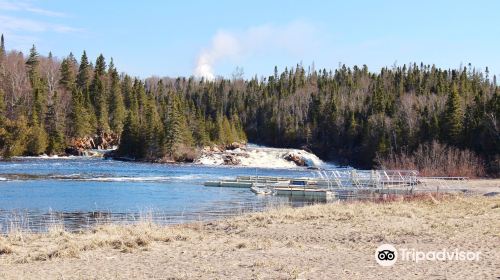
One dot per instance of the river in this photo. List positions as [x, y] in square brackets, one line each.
[78, 193]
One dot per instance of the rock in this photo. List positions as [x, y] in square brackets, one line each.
[306, 148]
[80, 146]
[105, 141]
[230, 160]
[215, 149]
[296, 159]
[234, 146]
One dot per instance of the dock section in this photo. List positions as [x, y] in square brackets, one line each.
[325, 185]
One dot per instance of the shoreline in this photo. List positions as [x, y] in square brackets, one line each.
[319, 241]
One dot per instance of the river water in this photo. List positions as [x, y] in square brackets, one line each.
[78, 193]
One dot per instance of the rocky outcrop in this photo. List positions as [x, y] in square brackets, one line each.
[298, 160]
[81, 146]
[106, 141]
[235, 145]
[230, 159]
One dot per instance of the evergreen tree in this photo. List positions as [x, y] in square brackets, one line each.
[176, 129]
[83, 80]
[200, 132]
[130, 144]
[56, 141]
[153, 131]
[116, 106]
[68, 70]
[37, 141]
[99, 95]
[2, 47]
[32, 65]
[80, 119]
[453, 117]
[13, 137]
[100, 66]
[37, 136]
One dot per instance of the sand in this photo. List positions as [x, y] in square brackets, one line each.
[333, 241]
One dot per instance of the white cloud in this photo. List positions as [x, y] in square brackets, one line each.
[23, 6]
[295, 38]
[12, 24]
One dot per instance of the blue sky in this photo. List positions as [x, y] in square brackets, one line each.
[181, 38]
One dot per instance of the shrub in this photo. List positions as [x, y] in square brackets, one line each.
[435, 159]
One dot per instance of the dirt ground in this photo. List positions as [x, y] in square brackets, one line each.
[332, 241]
[484, 185]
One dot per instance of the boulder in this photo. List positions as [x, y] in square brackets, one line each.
[215, 149]
[230, 160]
[234, 146]
[296, 159]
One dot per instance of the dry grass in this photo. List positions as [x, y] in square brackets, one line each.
[26, 247]
[337, 240]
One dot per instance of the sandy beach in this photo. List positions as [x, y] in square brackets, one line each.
[315, 242]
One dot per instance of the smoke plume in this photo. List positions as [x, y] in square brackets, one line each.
[294, 38]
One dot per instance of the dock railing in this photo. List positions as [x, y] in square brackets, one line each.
[409, 180]
[367, 179]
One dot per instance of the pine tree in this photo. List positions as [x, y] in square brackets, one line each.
[176, 128]
[99, 95]
[378, 103]
[239, 132]
[56, 141]
[199, 131]
[37, 136]
[100, 66]
[453, 117]
[80, 119]
[2, 49]
[227, 131]
[116, 106]
[130, 144]
[83, 80]
[32, 66]
[37, 143]
[68, 70]
[154, 130]
[13, 137]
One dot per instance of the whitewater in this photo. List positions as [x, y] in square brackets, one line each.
[262, 157]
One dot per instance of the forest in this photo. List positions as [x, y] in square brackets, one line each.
[415, 116]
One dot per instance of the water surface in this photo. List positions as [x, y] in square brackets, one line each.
[80, 192]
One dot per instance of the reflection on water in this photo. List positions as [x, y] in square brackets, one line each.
[42, 221]
[79, 193]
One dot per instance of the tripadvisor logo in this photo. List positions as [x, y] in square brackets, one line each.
[387, 255]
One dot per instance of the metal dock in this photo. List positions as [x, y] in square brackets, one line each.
[347, 183]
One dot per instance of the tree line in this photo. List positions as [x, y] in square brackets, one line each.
[349, 115]
[45, 103]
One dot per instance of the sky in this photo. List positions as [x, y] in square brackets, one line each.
[212, 38]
